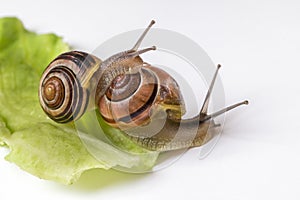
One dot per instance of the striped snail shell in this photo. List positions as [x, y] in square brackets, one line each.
[131, 99]
[64, 92]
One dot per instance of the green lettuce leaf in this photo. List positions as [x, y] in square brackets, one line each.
[50, 153]
[38, 145]
[122, 152]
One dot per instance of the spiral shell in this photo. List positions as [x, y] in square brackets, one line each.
[132, 98]
[64, 86]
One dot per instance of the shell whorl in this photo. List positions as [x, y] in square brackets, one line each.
[131, 98]
[64, 86]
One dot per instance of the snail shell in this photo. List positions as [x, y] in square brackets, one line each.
[64, 92]
[133, 98]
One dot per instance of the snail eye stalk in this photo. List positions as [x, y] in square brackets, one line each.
[139, 41]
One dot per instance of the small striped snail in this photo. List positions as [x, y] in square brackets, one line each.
[127, 92]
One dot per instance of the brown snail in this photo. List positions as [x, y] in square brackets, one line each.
[128, 93]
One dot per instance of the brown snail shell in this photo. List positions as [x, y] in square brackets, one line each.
[63, 94]
[132, 98]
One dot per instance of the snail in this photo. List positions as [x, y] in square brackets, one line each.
[128, 92]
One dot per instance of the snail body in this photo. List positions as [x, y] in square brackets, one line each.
[129, 93]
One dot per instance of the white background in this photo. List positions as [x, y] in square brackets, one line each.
[257, 43]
